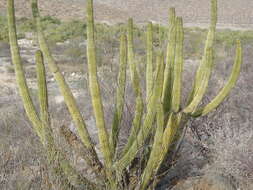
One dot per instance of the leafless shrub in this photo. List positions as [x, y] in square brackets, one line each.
[232, 151]
[21, 160]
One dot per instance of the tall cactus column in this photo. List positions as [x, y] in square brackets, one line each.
[149, 66]
[170, 60]
[94, 86]
[135, 79]
[120, 95]
[64, 88]
[19, 72]
[96, 94]
[41, 123]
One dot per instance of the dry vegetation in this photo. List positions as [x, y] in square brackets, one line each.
[220, 142]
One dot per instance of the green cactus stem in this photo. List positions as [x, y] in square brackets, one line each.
[19, 72]
[227, 88]
[149, 66]
[64, 88]
[120, 94]
[42, 87]
[139, 104]
[148, 121]
[178, 67]
[155, 155]
[170, 60]
[95, 89]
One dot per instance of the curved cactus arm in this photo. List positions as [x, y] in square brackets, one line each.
[149, 66]
[64, 88]
[95, 89]
[178, 67]
[209, 44]
[155, 155]
[204, 83]
[170, 60]
[227, 88]
[120, 94]
[19, 72]
[148, 121]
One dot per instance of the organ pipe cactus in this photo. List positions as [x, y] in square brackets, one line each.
[159, 117]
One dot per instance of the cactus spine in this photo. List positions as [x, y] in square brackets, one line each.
[161, 115]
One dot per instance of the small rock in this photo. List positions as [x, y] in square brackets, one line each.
[83, 44]
[59, 99]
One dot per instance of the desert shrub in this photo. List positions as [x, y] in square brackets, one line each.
[66, 30]
[194, 38]
[21, 158]
[224, 138]
[10, 69]
[107, 43]
[48, 20]
[4, 29]
[25, 25]
[75, 50]
[232, 151]
[227, 37]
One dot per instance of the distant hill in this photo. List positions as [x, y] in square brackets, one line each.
[232, 13]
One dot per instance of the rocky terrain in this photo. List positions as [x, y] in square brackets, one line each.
[232, 13]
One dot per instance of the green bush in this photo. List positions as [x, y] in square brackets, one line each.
[25, 25]
[62, 31]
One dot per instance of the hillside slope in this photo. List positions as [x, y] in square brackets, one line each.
[236, 13]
